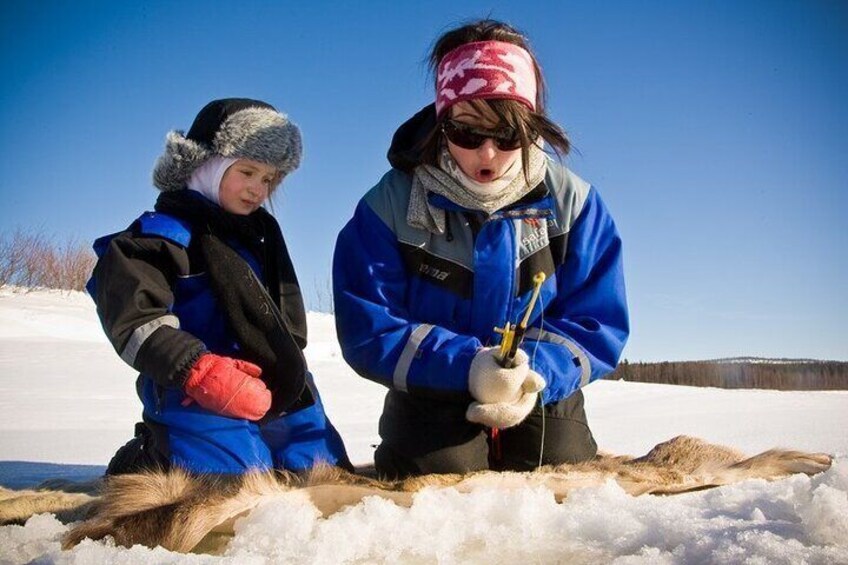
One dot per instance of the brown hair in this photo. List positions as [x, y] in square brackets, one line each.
[529, 124]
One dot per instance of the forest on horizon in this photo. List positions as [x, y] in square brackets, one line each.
[776, 374]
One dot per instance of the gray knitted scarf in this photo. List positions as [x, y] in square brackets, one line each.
[449, 181]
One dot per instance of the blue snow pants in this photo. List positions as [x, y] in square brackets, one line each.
[205, 442]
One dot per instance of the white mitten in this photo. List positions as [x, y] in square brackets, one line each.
[502, 414]
[488, 382]
[534, 382]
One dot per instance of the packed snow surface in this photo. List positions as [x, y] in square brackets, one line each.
[67, 402]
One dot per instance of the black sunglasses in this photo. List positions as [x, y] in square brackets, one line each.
[470, 137]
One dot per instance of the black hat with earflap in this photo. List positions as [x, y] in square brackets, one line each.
[240, 128]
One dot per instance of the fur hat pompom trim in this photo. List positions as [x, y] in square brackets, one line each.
[180, 159]
[263, 135]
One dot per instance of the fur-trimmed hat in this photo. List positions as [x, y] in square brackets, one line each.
[231, 127]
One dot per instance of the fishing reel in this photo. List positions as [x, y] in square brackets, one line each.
[513, 334]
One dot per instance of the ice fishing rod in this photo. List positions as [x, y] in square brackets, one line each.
[513, 334]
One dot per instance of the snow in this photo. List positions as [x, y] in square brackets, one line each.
[67, 403]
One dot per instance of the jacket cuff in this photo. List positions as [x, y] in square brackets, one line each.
[168, 355]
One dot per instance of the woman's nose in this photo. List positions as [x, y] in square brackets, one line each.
[488, 150]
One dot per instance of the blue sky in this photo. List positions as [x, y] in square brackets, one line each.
[715, 131]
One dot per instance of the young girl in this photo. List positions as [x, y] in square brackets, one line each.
[446, 247]
[200, 297]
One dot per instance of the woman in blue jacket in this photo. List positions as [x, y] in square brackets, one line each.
[446, 247]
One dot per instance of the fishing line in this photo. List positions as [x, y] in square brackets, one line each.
[533, 366]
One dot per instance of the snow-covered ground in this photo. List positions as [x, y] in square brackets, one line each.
[67, 402]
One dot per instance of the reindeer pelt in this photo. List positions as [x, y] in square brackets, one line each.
[183, 512]
[16, 506]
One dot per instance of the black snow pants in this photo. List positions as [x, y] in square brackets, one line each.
[422, 436]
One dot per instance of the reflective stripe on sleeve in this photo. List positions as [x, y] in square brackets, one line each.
[408, 354]
[143, 332]
[585, 367]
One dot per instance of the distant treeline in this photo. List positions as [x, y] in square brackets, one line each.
[771, 374]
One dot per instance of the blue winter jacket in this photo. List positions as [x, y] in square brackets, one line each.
[413, 307]
[155, 298]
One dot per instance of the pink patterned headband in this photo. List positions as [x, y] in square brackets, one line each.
[485, 69]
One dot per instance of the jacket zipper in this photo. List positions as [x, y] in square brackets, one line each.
[278, 316]
[158, 392]
[512, 276]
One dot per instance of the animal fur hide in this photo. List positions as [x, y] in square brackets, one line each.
[183, 512]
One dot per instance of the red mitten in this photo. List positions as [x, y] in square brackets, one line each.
[229, 387]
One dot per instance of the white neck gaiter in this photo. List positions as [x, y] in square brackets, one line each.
[449, 181]
[485, 191]
[206, 179]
